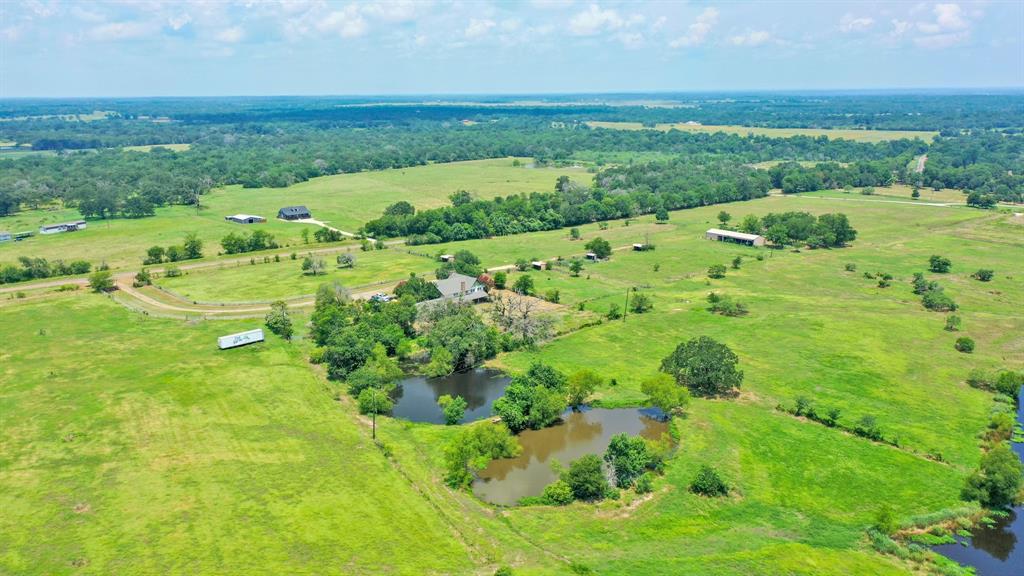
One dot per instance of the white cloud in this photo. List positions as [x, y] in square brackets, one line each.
[631, 39]
[347, 23]
[11, 33]
[949, 28]
[850, 23]
[900, 27]
[594, 20]
[751, 38]
[177, 22]
[120, 31]
[395, 10]
[478, 27]
[698, 31]
[230, 35]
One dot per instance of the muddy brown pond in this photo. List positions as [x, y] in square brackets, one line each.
[416, 396]
[589, 431]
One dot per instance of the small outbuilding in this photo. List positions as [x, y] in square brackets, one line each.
[537, 265]
[591, 256]
[62, 227]
[240, 339]
[294, 213]
[720, 235]
[245, 219]
[19, 236]
[446, 258]
[5, 236]
[639, 247]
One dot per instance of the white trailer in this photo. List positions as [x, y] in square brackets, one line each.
[240, 339]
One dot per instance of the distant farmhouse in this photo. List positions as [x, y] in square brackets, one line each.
[720, 235]
[458, 288]
[294, 213]
[245, 219]
[62, 227]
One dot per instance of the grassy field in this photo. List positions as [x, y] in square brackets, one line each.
[141, 448]
[846, 134]
[133, 446]
[285, 278]
[345, 201]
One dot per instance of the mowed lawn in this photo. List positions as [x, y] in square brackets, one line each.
[134, 446]
[345, 201]
[832, 133]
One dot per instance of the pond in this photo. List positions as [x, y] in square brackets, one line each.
[996, 550]
[589, 431]
[416, 396]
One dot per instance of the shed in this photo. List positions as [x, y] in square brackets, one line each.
[446, 258]
[62, 227]
[240, 339]
[639, 247]
[537, 264]
[720, 235]
[591, 256]
[294, 213]
[245, 219]
[19, 236]
[5, 236]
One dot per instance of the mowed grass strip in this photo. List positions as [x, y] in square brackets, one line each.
[132, 445]
[832, 133]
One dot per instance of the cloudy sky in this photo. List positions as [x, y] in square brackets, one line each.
[194, 47]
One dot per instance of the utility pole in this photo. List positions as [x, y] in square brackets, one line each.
[625, 310]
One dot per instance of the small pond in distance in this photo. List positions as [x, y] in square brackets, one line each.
[589, 431]
[416, 396]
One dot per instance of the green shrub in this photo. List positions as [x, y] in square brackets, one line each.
[984, 275]
[964, 344]
[708, 483]
[645, 483]
[558, 493]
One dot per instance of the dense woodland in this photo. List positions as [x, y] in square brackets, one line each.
[278, 142]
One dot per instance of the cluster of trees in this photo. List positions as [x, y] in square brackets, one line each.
[534, 399]
[793, 177]
[619, 192]
[632, 460]
[417, 288]
[473, 447]
[279, 321]
[190, 249]
[725, 305]
[237, 243]
[457, 337]
[36, 268]
[932, 295]
[789, 228]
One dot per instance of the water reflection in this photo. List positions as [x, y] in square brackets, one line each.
[994, 550]
[508, 480]
[416, 397]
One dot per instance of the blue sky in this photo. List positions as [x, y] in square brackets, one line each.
[188, 47]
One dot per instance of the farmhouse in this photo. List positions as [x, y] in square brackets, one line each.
[294, 213]
[458, 288]
[245, 219]
[737, 237]
[62, 227]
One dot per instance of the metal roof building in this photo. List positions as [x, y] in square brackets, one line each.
[294, 213]
[245, 219]
[738, 237]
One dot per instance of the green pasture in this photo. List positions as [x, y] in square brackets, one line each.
[284, 279]
[833, 133]
[345, 201]
[815, 329]
[133, 446]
